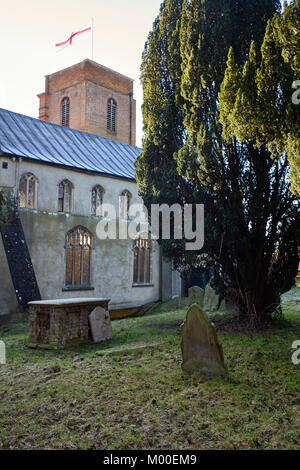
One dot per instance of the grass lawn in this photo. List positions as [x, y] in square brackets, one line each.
[129, 393]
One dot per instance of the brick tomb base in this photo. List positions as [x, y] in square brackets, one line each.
[55, 324]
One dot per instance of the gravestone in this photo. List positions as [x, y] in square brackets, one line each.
[196, 296]
[201, 351]
[211, 299]
[100, 325]
[232, 306]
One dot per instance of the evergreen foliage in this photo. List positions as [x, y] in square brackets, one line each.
[8, 208]
[199, 107]
[260, 107]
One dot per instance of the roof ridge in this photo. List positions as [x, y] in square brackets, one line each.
[93, 63]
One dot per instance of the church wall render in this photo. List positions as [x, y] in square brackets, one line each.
[45, 230]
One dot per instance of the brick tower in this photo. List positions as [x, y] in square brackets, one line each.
[91, 98]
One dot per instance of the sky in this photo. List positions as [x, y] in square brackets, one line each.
[29, 30]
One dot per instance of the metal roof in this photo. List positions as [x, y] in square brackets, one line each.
[26, 137]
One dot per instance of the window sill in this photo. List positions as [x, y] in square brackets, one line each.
[77, 288]
[143, 285]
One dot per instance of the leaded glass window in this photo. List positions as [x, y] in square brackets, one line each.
[125, 198]
[79, 243]
[28, 191]
[65, 196]
[97, 200]
[142, 261]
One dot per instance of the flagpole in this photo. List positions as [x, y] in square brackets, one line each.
[92, 38]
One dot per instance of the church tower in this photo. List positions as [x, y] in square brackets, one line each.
[91, 98]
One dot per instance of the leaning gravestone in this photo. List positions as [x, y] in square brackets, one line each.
[201, 351]
[100, 325]
[211, 299]
[196, 295]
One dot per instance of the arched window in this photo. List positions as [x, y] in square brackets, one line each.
[111, 115]
[97, 200]
[65, 196]
[79, 243]
[142, 261]
[65, 112]
[125, 198]
[28, 191]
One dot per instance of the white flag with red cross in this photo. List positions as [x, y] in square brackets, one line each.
[68, 42]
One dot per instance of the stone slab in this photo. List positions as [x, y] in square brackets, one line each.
[100, 324]
[201, 351]
[196, 296]
[62, 302]
[211, 299]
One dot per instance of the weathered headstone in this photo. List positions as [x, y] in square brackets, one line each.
[196, 296]
[211, 299]
[231, 306]
[100, 325]
[201, 351]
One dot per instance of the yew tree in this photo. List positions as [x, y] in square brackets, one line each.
[191, 155]
[261, 107]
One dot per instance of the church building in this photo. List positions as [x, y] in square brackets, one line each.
[61, 168]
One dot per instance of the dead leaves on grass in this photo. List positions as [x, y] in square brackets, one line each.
[137, 399]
